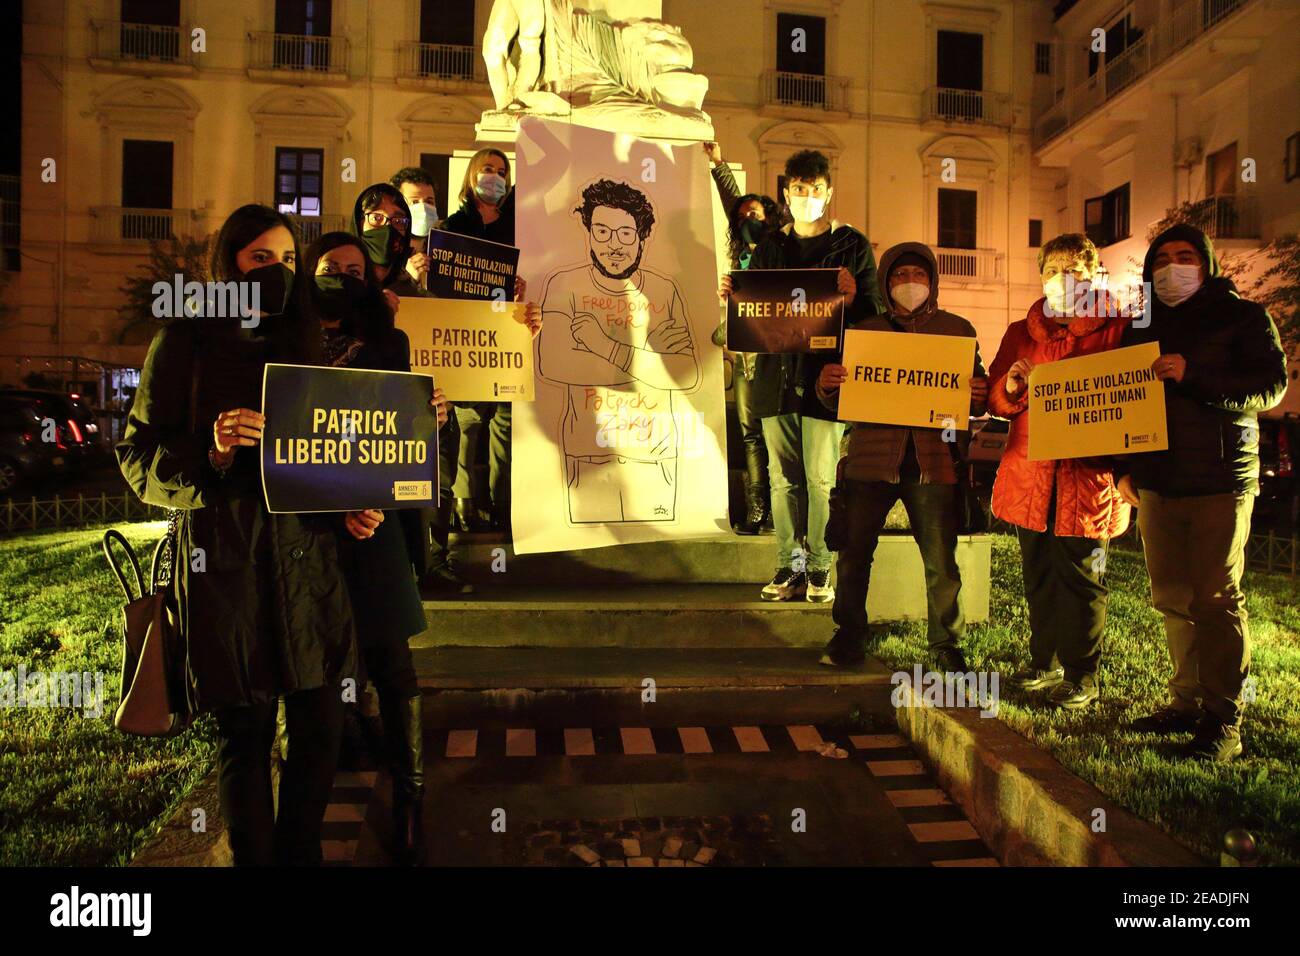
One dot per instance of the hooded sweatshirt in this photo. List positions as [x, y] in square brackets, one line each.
[875, 451]
[1236, 368]
[399, 244]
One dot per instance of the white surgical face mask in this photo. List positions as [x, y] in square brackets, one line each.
[1176, 283]
[491, 187]
[422, 218]
[1065, 293]
[910, 295]
[807, 208]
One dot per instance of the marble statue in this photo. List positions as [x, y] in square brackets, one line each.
[610, 64]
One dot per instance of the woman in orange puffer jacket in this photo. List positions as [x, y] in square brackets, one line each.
[1065, 511]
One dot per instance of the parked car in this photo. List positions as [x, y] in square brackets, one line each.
[1278, 505]
[75, 419]
[25, 458]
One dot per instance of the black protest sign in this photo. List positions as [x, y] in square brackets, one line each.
[341, 439]
[462, 267]
[784, 310]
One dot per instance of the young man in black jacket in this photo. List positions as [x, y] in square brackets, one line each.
[1222, 363]
[802, 435]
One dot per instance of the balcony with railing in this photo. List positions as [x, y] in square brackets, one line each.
[439, 64]
[121, 225]
[311, 228]
[307, 58]
[951, 106]
[968, 265]
[140, 47]
[1226, 217]
[1161, 40]
[803, 91]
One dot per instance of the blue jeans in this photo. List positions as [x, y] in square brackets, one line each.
[802, 453]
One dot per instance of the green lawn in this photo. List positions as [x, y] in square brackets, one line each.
[1195, 802]
[76, 791]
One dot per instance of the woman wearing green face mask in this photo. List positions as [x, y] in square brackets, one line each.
[357, 332]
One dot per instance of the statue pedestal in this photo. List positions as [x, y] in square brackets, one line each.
[501, 127]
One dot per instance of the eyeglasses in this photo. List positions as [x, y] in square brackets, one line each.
[376, 218]
[626, 235]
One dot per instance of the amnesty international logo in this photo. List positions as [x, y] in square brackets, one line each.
[412, 490]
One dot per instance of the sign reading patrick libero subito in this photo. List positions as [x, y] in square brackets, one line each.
[340, 439]
[478, 351]
[784, 310]
[1107, 403]
[907, 378]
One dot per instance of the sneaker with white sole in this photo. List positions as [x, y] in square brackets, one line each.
[787, 585]
[820, 590]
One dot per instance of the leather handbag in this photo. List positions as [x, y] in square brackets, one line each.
[154, 700]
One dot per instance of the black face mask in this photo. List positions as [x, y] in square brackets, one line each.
[752, 230]
[275, 282]
[339, 295]
[378, 244]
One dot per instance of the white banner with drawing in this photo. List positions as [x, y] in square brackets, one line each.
[626, 441]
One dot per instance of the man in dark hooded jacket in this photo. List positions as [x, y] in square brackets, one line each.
[887, 463]
[1222, 364]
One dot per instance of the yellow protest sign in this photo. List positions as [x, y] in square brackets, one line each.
[907, 378]
[476, 351]
[1107, 403]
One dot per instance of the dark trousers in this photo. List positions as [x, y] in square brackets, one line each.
[259, 835]
[1066, 591]
[932, 513]
[1196, 552]
[473, 416]
[751, 432]
[436, 522]
[390, 667]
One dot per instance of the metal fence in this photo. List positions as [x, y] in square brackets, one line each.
[75, 512]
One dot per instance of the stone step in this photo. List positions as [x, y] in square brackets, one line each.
[651, 687]
[724, 559]
[520, 607]
[633, 615]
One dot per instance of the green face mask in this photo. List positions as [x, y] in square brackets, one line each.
[377, 242]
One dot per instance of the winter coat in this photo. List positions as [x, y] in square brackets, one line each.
[263, 606]
[467, 221]
[380, 569]
[1235, 369]
[1088, 503]
[786, 384]
[875, 451]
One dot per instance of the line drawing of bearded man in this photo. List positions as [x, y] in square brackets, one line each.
[619, 337]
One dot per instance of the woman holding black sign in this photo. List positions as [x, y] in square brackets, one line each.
[358, 332]
[261, 597]
[487, 211]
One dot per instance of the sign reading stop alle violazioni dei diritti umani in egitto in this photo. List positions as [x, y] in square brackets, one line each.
[1107, 403]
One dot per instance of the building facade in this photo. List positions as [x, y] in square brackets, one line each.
[982, 127]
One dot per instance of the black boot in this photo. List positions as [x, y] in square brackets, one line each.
[755, 503]
[467, 517]
[404, 731]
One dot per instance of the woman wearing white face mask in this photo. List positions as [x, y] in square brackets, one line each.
[1065, 512]
[1222, 364]
[487, 211]
[888, 463]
